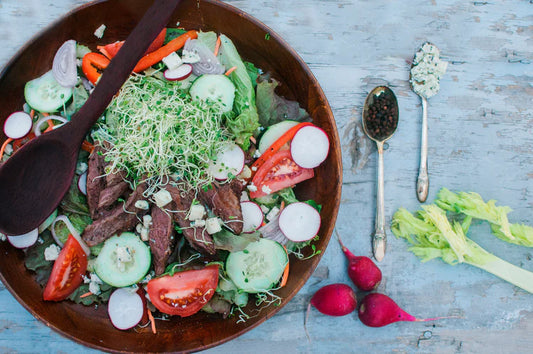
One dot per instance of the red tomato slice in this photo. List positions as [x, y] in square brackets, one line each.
[183, 293]
[111, 49]
[67, 271]
[280, 144]
[279, 172]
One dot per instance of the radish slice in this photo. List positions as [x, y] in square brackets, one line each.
[299, 222]
[180, 73]
[252, 216]
[309, 147]
[125, 308]
[25, 240]
[39, 123]
[229, 161]
[82, 183]
[72, 231]
[17, 125]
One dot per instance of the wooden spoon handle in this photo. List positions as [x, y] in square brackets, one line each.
[121, 66]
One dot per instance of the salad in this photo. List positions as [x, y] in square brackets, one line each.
[183, 195]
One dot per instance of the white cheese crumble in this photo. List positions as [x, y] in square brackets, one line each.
[123, 255]
[162, 198]
[196, 212]
[427, 70]
[212, 225]
[52, 252]
[142, 204]
[81, 167]
[147, 221]
[266, 190]
[189, 56]
[272, 213]
[99, 32]
[264, 209]
[244, 197]
[245, 173]
[251, 187]
[198, 223]
[3, 237]
[172, 61]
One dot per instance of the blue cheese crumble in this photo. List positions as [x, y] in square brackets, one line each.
[427, 70]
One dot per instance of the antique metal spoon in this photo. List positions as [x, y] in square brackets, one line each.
[424, 78]
[380, 120]
[35, 179]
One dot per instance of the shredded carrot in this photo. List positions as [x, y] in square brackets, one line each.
[285, 275]
[230, 70]
[152, 321]
[46, 114]
[87, 146]
[86, 294]
[252, 139]
[217, 46]
[4, 145]
[282, 205]
[50, 126]
[32, 113]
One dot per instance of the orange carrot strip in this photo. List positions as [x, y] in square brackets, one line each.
[4, 145]
[282, 205]
[252, 139]
[152, 321]
[285, 275]
[217, 46]
[46, 114]
[32, 113]
[157, 55]
[50, 125]
[230, 70]
[87, 146]
[86, 294]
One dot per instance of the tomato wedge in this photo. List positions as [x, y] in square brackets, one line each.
[278, 172]
[111, 49]
[67, 271]
[280, 144]
[183, 293]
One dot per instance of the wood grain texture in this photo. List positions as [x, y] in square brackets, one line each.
[480, 139]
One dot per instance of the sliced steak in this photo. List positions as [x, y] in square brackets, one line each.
[114, 178]
[161, 239]
[225, 203]
[110, 194]
[198, 237]
[95, 181]
[122, 217]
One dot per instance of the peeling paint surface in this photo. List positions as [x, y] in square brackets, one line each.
[480, 139]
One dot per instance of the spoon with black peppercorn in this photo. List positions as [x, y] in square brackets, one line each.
[380, 120]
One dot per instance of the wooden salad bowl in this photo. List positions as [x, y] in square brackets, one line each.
[256, 43]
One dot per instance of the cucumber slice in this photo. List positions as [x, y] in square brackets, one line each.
[258, 267]
[124, 260]
[45, 94]
[273, 133]
[214, 88]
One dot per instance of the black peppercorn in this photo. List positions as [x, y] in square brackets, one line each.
[382, 118]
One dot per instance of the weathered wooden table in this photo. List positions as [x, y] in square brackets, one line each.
[480, 139]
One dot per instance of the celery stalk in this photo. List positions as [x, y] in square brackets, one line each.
[433, 236]
[473, 205]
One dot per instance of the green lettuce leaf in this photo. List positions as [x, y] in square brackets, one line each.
[246, 120]
[103, 297]
[34, 258]
[273, 108]
[208, 38]
[173, 33]
[79, 96]
[225, 240]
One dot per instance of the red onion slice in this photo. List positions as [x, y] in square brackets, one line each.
[208, 63]
[64, 65]
[37, 125]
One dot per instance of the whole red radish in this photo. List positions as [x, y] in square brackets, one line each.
[364, 273]
[378, 310]
[334, 300]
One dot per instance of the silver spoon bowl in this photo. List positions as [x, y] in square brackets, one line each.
[374, 113]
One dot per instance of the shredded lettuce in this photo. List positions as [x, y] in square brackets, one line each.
[273, 108]
[225, 240]
[433, 236]
[246, 121]
[472, 204]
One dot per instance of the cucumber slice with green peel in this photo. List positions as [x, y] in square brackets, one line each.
[258, 267]
[214, 88]
[273, 133]
[124, 260]
[45, 94]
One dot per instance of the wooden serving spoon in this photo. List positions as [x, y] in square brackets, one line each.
[35, 179]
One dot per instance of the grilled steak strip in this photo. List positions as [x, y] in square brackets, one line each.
[118, 221]
[161, 237]
[95, 181]
[198, 237]
[225, 203]
[110, 194]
